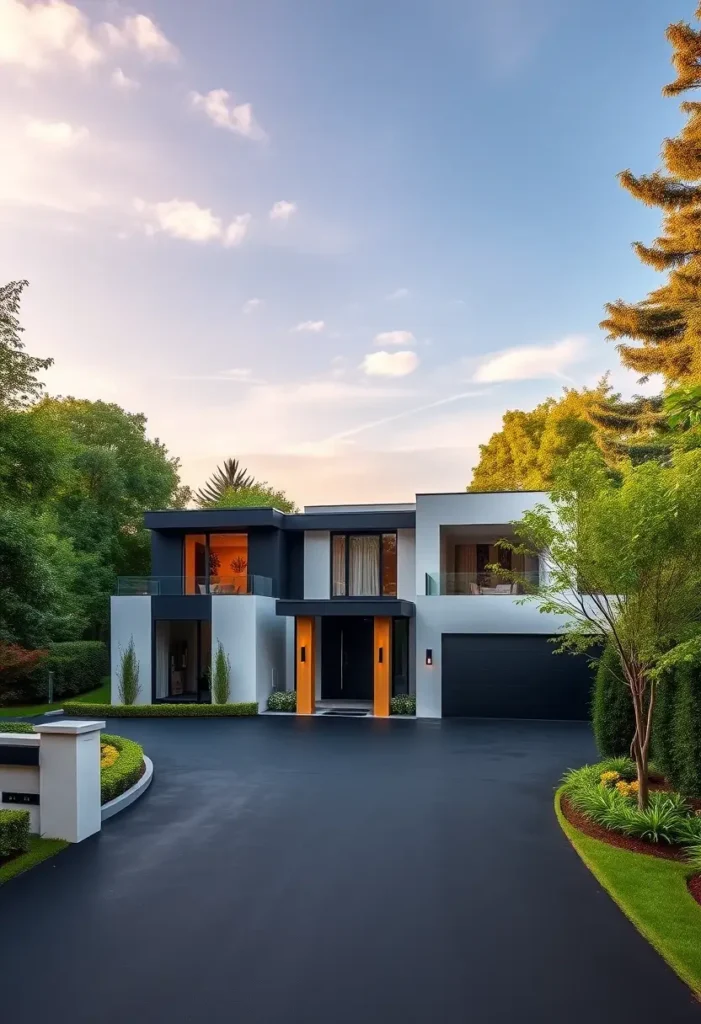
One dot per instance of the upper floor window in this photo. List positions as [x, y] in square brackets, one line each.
[216, 563]
[364, 565]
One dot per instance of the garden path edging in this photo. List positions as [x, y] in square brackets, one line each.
[129, 796]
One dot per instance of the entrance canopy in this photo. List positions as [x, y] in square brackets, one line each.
[360, 606]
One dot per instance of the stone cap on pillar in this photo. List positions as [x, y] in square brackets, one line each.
[77, 728]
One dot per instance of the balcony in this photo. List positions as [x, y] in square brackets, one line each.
[177, 586]
[480, 584]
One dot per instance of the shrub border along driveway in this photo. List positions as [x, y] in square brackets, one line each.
[159, 710]
[653, 895]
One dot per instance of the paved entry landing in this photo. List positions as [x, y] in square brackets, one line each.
[333, 871]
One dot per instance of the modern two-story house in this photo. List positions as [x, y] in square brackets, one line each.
[349, 605]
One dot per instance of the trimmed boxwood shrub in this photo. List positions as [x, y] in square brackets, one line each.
[403, 704]
[612, 708]
[15, 726]
[126, 770]
[282, 700]
[14, 832]
[78, 666]
[77, 709]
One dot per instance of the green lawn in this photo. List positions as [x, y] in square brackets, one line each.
[39, 850]
[99, 696]
[651, 892]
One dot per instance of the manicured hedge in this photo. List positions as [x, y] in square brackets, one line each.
[78, 666]
[14, 832]
[685, 767]
[126, 770]
[612, 708]
[77, 709]
[6, 726]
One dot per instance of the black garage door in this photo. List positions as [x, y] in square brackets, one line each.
[512, 676]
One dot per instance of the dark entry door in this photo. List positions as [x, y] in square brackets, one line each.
[346, 658]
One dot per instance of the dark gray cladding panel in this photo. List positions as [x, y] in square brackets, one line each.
[187, 606]
[362, 606]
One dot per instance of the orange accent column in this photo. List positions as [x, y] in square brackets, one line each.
[383, 666]
[305, 636]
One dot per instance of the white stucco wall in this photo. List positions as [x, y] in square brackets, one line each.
[234, 624]
[406, 564]
[317, 564]
[131, 617]
[254, 639]
[467, 614]
[271, 633]
[16, 778]
[436, 510]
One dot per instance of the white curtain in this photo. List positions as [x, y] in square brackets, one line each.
[364, 566]
[162, 658]
[339, 566]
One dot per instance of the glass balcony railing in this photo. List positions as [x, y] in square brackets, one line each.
[480, 584]
[176, 586]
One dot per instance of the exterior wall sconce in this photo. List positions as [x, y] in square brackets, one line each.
[381, 655]
[303, 654]
[429, 656]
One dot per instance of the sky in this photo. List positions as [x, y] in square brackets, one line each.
[336, 240]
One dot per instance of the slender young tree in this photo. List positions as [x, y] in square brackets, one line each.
[666, 326]
[624, 570]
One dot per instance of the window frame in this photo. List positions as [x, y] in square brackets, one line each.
[361, 533]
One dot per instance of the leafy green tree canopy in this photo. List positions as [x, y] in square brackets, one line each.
[18, 370]
[260, 495]
[624, 567]
[525, 453]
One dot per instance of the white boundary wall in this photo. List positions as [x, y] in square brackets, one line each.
[131, 617]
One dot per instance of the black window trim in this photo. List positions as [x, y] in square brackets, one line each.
[361, 533]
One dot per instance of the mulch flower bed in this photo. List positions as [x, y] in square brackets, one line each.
[590, 828]
[694, 886]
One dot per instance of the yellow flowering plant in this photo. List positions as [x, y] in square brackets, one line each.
[108, 755]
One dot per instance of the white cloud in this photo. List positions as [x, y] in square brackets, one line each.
[180, 219]
[283, 209]
[183, 218]
[531, 362]
[311, 326]
[33, 35]
[235, 376]
[124, 82]
[251, 304]
[390, 364]
[398, 293]
[140, 33]
[395, 338]
[239, 119]
[237, 230]
[55, 133]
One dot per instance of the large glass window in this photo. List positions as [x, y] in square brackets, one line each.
[228, 563]
[364, 565]
[216, 563]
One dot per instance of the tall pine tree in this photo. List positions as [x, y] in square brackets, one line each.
[667, 324]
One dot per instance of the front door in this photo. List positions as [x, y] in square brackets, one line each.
[346, 658]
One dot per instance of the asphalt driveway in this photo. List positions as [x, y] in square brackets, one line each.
[331, 871]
